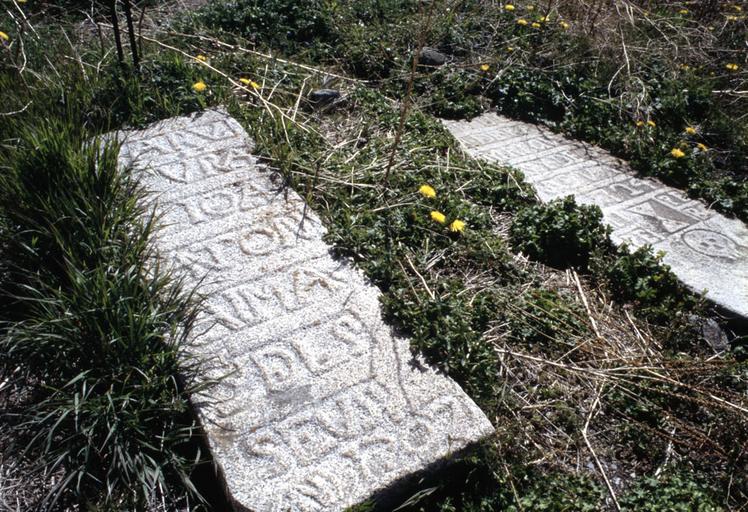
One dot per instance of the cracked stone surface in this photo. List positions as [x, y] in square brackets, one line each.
[706, 250]
[324, 407]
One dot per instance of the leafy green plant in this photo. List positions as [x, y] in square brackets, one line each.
[642, 278]
[676, 491]
[560, 233]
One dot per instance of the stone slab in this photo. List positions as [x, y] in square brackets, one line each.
[323, 406]
[706, 250]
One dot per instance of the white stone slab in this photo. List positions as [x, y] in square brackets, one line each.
[706, 250]
[325, 406]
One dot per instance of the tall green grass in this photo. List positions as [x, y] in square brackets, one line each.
[93, 325]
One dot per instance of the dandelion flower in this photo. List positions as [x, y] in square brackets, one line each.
[249, 83]
[683, 11]
[690, 130]
[485, 67]
[732, 18]
[639, 123]
[564, 25]
[4, 36]
[702, 147]
[438, 217]
[651, 123]
[522, 22]
[510, 49]
[677, 153]
[199, 86]
[543, 19]
[732, 67]
[457, 226]
[202, 58]
[427, 191]
[509, 7]
[535, 25]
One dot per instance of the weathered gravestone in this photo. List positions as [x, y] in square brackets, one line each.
[324, 407]
[706, 250]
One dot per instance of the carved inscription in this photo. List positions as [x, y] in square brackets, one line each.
[315, 407]
[706, 250]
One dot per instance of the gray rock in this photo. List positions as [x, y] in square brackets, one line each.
[711, 332]
[431, 57]
[323, 96]
[706, 250]
[323, 406]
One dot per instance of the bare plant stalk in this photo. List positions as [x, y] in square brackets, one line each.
[405, 108]
[131, 33]
[115, 27]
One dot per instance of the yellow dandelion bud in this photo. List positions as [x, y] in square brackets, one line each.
[199, 86]
[702, 147]
[677, 153]
[651, 123]
[510, 49]
[4, 36]
[543, 19]
[685, 67]
[732, 67]
[457, 226]
[485, 67]
[683, 11]
[202, 58]
[509, 7]
[564, 25]
[690, 130]
[438, 217]
[427, 191]
[522, 22]
[639, 123]
[535, 25]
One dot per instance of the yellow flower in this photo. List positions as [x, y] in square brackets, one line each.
[737, 8]
[639, 123]
[564, 25]
[199, 86]
[202, 58]
[702, 147]
[543, 19]
[485, 67]
[651, 123]
[683, 11]
[457, 226]
[522, 22]
[509, 7]
[427, 191]
[732, 18]
[677, 153]
[732, 67]
[4, 36]
[535, 25]
[510, 49]
[685, 67]
[690, 130]
[530, 7]
[250, 83]
[438, 217]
